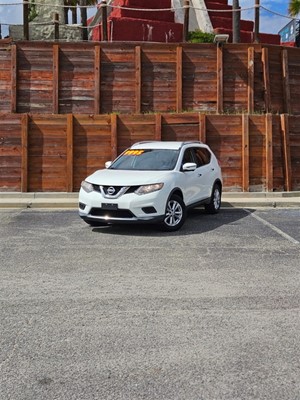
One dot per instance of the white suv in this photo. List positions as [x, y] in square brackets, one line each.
[153, 182]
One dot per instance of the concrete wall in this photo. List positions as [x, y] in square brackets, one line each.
[41, 28]
[199, 18]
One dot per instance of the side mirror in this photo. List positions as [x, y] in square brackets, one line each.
[108, 164]
[189, 166]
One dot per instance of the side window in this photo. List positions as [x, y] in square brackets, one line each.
[202, 156]
[188, 156]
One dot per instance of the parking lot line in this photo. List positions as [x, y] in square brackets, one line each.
[273, 227]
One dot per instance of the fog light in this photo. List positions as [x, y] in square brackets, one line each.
[149, 210]
[81, 206]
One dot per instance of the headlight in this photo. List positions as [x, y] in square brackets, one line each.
[88, 187]
[149, 188]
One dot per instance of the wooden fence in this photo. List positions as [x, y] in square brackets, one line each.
[42, 152]
[96, 78]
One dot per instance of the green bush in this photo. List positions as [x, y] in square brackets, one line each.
[200, 37]
[32, 11]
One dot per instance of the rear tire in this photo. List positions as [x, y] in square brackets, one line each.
[175, 214]
[214, 205]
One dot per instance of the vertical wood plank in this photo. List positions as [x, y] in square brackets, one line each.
[158, 127]
[55, 79]
[250, 80]
[287, 164]
[286, 82]
[245, 152]
[179, 79]
[202, 128]
[266, 77]
[220, 79]
[70, 131]
[114, 135]
[269, 152]
[97, 78]
[138, 79]
[13, 99]
[24, 152]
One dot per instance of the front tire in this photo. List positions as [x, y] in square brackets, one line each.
[214, 205]
[175, 214]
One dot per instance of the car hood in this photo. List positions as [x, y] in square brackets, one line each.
[113, 177]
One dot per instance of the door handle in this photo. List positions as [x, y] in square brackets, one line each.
[199, 174]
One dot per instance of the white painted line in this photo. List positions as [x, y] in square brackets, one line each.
[273, 227]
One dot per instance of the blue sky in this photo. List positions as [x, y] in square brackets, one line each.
[270, 22]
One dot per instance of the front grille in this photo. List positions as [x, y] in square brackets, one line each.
[117, 189]
[99, 212]
[96, 188]
[131, 189]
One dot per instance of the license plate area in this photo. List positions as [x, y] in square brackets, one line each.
[109, 206]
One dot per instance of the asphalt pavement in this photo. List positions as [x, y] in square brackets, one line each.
[210, 312]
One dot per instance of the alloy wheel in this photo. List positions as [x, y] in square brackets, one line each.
[174, 213]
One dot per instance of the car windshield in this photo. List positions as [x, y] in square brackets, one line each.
[147, 160]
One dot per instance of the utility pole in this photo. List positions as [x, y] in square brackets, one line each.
[104, 21]
[56, 25]
[256, 22]
[186, 20]
[83, 15]
[236, 17]
[26, 20]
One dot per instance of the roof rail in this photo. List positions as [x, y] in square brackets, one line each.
[192, 141]
[182, 143]
[146, 141]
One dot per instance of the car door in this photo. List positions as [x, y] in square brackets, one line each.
[194, 181]
[204, 171]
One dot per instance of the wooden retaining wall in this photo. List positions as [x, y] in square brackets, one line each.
[42, 152]
[96, 78]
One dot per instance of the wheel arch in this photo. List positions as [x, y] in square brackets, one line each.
[218, 182]
[178, 192]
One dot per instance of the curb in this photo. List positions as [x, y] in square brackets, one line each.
[60, 200]
[38, 200]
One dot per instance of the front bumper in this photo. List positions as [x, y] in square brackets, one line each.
[129, 208]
